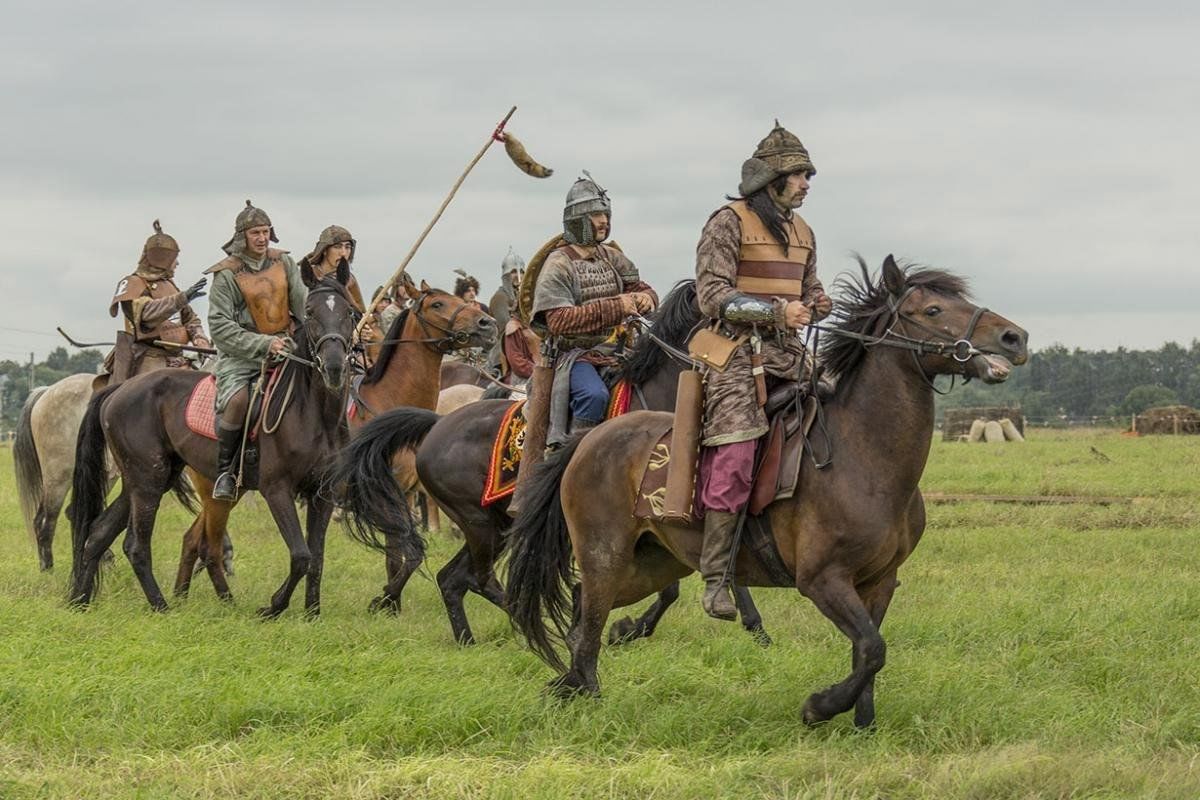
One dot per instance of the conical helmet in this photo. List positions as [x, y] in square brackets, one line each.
[780, 153]
[159, 255]
[585, 198]
[511, 263]
[334, 234]
[249, 217]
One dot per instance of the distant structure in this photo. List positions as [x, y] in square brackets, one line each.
[1175, 420]
[958, 424]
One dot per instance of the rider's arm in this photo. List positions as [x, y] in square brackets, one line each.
[297, 291]
[193, 325]
[228, 334]
[553, 301]
[147, 312]
[812, 288]
[716, 277]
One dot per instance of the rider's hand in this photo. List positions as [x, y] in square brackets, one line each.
[278, 347]
[644, 302]
[196, 290]
[200, 341]
[629, 306]
[822, 306]
[796, 314]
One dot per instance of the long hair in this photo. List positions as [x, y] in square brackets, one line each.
[760, 203]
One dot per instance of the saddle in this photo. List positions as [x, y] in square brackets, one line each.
[200, 414]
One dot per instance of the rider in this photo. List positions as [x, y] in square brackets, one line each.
[756, 276]
[501, 307]
[584, 291]
[335, 245]
[155, 310]
[257, 296]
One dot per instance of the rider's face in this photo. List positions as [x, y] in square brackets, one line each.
[600, 224]
[335, 253]
[257, 239]
[794, 190]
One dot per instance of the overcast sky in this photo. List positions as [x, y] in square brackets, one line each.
[1049, 155]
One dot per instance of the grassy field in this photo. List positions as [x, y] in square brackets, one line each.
[1034, 651]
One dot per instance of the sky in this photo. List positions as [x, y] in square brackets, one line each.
[1044, 150]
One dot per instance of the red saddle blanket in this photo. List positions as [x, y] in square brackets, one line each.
[501, 478]
[200, 414]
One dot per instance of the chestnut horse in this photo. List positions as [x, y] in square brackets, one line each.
[841, 537]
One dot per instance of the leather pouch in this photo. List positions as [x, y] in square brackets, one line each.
[712, 348]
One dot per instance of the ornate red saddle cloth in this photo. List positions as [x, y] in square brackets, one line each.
[510, 439]
[200, 414]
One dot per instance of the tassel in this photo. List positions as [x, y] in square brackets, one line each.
[525, 162]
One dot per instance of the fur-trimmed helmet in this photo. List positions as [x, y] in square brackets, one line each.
[334, 234]
[584, 199]
[780, 153]
[159, 255]
[249, 217]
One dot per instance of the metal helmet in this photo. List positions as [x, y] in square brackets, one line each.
[249, 217]
[511, 263]
[334, 234]
[585, 198]
[158, 255]
[780, 153]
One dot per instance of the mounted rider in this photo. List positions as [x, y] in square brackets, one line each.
[585, 290]
[756, 278]
[502, 308]
[334, 245]
[155, 310]
[257, 298]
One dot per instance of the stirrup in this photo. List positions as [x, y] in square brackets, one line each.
[225, 487]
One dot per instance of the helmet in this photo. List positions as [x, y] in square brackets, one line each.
[584, 199]
[249, 217]
[158, 255]
[334, 234]
[511, 263]
[780, 153]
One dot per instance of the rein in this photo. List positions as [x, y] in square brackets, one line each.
[443, 344]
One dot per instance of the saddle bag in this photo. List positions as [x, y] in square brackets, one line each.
[712, 348]
[685, 447]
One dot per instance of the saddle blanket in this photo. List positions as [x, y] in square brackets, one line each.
[505, 460]
[200, 414]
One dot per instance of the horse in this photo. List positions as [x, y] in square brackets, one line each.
[300, 434]
[405, 372]
[840, 538]
[452, 458]
[44, 456]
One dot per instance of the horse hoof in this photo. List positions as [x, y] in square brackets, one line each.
[159, 608]
[811, 716]
[570, 686]
[622, 631]
[761, 637]
[385, 605]
[225, 597]
[228, 564]
[312, 614]
[269, 612]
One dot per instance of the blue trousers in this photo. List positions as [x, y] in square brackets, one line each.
[589, 395]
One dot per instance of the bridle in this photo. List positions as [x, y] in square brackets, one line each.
[315, 347]
[453, 339]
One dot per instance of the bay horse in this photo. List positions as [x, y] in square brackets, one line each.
[142, 422]
[841, 537]
[405, 373]
[452, 459]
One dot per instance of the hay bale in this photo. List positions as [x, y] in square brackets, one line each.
[976, 434]
[1168, 420]
[992, 432]
[1010, 431]
[956, 422]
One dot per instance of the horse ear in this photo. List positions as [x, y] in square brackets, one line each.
[306, 274]
[410, 289]
[343, 272]
[893, 276]
[424, 286]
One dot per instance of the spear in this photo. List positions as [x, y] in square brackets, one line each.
[516, 151]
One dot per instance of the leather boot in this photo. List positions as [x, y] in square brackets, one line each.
[229, 442]
[719, 527]
[578, 427]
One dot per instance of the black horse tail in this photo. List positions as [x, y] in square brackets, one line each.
[540, 574]
[369, 494]
[28, 467]
[89, 484]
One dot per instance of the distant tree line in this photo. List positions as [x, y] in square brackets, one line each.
[1058, 383]
[15, 378]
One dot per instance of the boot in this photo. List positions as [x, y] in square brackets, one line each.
[715, 553]
[578, 427]
[229, 442]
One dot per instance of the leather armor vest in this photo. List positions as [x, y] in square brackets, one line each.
[765, 271]
[133, 288]
[265, 291]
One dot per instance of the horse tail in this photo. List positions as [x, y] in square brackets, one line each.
[369, 494]
[26, 464]
[540, 575]
[89, 484]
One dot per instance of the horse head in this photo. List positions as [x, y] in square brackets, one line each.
[451, 322]
[329, 320]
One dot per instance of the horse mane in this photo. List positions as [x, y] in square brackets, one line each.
[862, 308]
[673, 322]
[392, 341]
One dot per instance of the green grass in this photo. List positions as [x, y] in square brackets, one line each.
[1033, 652]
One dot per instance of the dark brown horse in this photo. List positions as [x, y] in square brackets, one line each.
[405, 373]
[842, 536]
[142, 421]
[452, 464]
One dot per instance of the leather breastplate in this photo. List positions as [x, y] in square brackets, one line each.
[765, 270]
[266, 295]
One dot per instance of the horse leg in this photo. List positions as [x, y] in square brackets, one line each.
[837, 599]
[104, 531]
[319, 513]
[187, 556]
[45, 520]
[283, 509]
[627, 629]
[594, 601]
[399, 571]
[142, 512]
[453, 581]
[877, 598]
[751, 619]
[215, 514]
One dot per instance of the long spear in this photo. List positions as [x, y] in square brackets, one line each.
[516, 151]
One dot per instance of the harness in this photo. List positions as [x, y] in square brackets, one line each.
[442, 344]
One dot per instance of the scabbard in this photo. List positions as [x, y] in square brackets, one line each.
[537, 424]
[760, 378]
[685, 447]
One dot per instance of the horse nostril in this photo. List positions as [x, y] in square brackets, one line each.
[1012, 340]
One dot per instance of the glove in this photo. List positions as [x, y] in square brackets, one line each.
[196, 290]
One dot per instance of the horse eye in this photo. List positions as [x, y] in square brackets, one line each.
[932, 311]
[437, 304]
